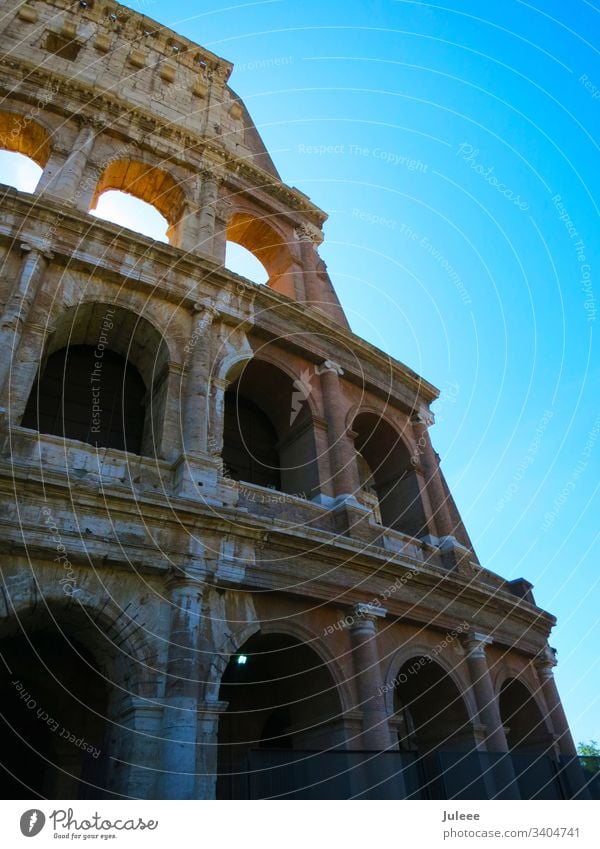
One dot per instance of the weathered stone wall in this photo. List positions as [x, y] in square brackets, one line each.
[163, 565]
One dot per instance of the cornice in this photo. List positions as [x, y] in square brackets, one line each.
[334, 553]
[212, 277]
[149, 122]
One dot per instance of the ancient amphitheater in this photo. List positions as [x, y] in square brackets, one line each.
[231, 563]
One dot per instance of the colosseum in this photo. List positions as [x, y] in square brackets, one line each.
[232, 567]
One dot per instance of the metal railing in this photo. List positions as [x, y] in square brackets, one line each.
[340, 774]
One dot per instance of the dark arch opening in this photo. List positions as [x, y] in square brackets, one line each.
[281, 698]
[387, 473]
[142, 359]
[250, 450]
[268, 436]
[521, 716]
[54, 703]
[431, 711]
[95, 397]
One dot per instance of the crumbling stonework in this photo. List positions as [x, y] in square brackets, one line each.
[163, 568]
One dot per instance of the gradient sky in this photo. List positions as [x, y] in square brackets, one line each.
[446, 142]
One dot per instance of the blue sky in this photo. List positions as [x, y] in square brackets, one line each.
[454, 148]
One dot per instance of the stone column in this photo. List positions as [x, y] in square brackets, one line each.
[209, 713]
[52, 169]
[194, 407]
[344, 468]
[209, 193]
[65, 184]
[368, 680]
[308, 237]
[483, 690]
[183, 681]
[430, 464]
[571, 775]
[222, 216]
[140, 733]
[17, 311]
[218, 387]
[186, 231]
[500, 774]
[545, 662]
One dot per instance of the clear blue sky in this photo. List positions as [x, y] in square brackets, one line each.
[448, 133]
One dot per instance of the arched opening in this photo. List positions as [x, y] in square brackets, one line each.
[243, 262]
[19, 134]
[268, 438]
[530, 742]
[18, 171]
[102, 380]
[430, 709]
[250, 443]
[54, 703]
[525, 727]
[388, 475]
[147, 183]
[132, 213]
[94, 400]
[434, 728]
[258, 237]
[282, 699]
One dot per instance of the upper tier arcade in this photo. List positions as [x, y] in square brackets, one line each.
[103, 98]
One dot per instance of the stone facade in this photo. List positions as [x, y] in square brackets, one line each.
[184, 615]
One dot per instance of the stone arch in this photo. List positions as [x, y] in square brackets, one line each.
[223, 655]
[264, 239]
[305, 635]
[91, 328]
[67, 655]
[430, 705]
[232, 365]
[102, 614]
[280, 363]
[524, 716]
[149, 183]
[280, 695]
[268, 432]
[388, 473]
[410, 650]
[20, 133]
